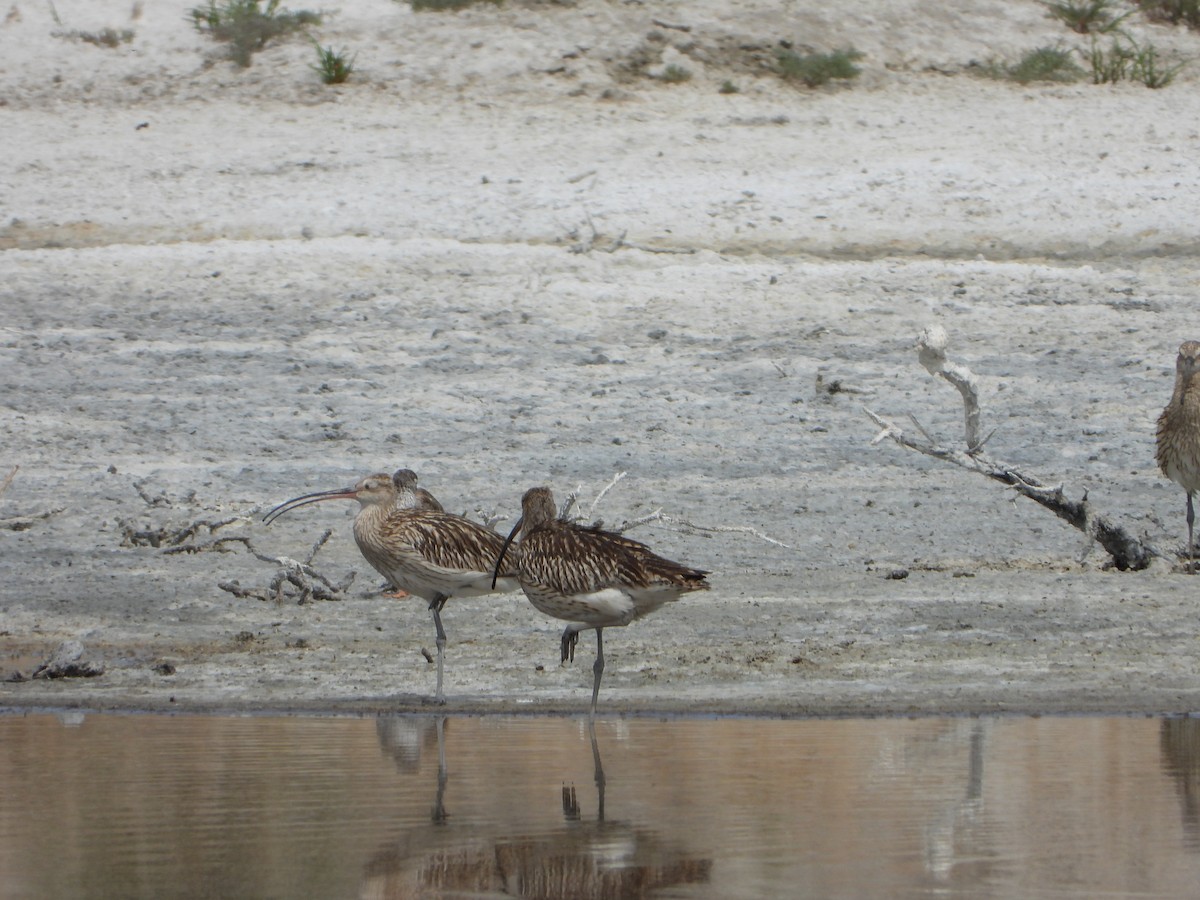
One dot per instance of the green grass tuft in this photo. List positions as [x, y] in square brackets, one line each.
[1176, 12]
[1044, 64]
[1086, 16]
[331, 65]
[816, 69]
[675, 74]
[439, 5]
[105, 37]
[1125, 60]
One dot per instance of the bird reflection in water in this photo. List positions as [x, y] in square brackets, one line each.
[404, 737]
[1179, 743]
[582, 858]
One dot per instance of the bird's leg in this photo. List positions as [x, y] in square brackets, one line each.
[597, 668]
[1191, 518]
[569, 639]
[435, 607]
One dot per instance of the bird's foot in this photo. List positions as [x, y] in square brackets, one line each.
[569, 640]
[396, 594]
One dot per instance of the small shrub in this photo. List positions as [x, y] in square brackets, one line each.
[675, 74]
[1124, 60]
[333, 67]
[1086, 16]
[438, 5]
[248, 25]
[816, 69]
[105, 37]
[1172, 11]
[728, 87]
[1149, 69]
[1109, 66]
[1044, 64]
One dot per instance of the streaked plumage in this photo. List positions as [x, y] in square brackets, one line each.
[589, 577]
[409, 496]
[1179, 430]
[434, 555]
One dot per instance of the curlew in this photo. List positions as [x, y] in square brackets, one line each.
[434, 555]
[590, 578]
[1179, 431]
[409, 496]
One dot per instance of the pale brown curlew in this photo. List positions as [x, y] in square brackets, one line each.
[1179, 431]
[434, 555]
[409, 496]
[588, 577]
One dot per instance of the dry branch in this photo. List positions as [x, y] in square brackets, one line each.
[8, 480]
[180, 540]
[686, 526]
[1127, 552]
[682, 525]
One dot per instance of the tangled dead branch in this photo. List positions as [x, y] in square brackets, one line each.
[305, 582]
[22, 523]
[185, 539]
[1127, 552]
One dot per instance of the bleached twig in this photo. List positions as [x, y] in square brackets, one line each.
[489, 518]
[569, 502]
[931, 351]
[1127, 552]
[685, 525]
[8, 480]
[604, 490]
[682, 525]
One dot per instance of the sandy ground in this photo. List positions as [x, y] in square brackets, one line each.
[503, 255]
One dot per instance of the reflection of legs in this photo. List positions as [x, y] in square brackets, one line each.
[439, 808]
[597, 667]
[435, 607]
[570, 803]
[599, 770]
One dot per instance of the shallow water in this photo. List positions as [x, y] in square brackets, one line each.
[206, 806]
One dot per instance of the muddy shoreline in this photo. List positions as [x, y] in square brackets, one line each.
[501, 276]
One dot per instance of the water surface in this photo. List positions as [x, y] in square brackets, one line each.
[208, 806]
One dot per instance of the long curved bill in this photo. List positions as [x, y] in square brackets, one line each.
[500, 559]
[296, 502]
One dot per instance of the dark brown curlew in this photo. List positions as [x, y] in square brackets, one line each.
[590, 578]
[1179, 431]
[434, 555]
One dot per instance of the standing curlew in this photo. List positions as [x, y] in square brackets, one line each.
[591, 578]
[1179, 430]
[409, 496]
[435, 555]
